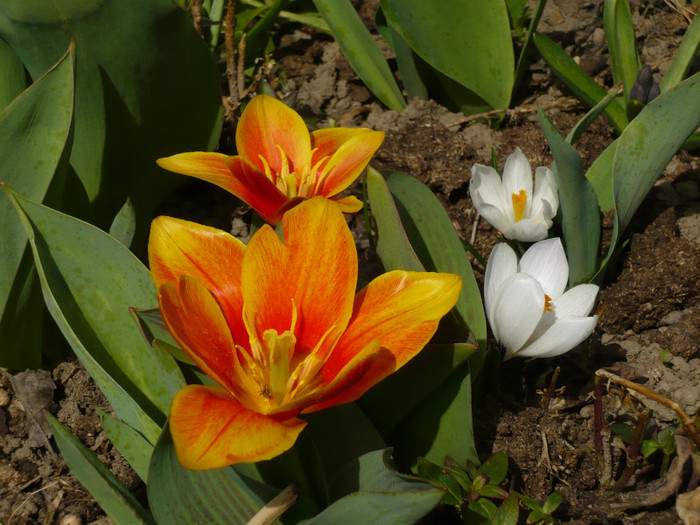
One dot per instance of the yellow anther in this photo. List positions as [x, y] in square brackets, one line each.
[548, 307]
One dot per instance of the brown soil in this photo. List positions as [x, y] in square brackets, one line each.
[649, 307]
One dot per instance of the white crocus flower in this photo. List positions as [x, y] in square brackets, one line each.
[509, 205]
[529, 313]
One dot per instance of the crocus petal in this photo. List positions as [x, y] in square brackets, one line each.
[350, 204]
[486, 190]
[210, 429]
[517, 310]
[517, 175]
[502, 264]
[265, 126]
[195, 320]
[546, 262]
[577, 301]
[546, 190]
[401, 310]
[565, 334]
[176, 247]
[526, 230]
[350, 150]
[316, 268]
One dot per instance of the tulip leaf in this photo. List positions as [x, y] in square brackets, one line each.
[89, 281]
[438, 246]
[600, 175]
[619, 31]
[129, 442]
[580, 218]
[393, 246]
[577, 80]
[180, 495]
[378, 494]
[124, 224]
[113, 497]
[34, 130]
[13, 79]
[684, 57]
[461, 40]
[361, 50]
[149, 90]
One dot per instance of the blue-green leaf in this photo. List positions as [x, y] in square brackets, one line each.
[129, 442]
[124, 224]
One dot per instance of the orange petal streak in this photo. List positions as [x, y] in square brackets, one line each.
[267, 123]
[210, 429]
[316, 267]
[212, 256]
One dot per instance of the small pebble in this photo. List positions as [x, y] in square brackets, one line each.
[70, 519]
[4, 397]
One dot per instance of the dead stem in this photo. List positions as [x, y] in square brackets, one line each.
[197, 16]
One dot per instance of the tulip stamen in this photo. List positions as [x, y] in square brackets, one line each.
[519, 201]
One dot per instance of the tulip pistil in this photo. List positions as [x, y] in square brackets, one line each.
[519, 202]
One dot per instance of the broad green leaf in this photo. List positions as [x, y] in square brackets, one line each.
[124, 224]
[169, 370]
[361, 50]
[13, 79]
[180, 495]
[437, 476]
[393, 247]
[113, 497]
[507, 513]
[409, 66]
[495, 467]
[438, 246]
[482, 508]
[580, 218]
[685, 55]
[379, 495]
[577, 80]
[553, 501]
[441, 425]
[153, 329]
[129, 442]
[600, 175]
[584, 123]
[622, 45]
[34, 130]
[89, 281]
[469, 42]
[149, 90]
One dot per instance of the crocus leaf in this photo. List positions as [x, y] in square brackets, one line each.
[13, 79]
[133, 446]
[577, 80]
[393, 246]
[619, 32]
[438, 246]
[180, 495]
[684, 57]
[462, 40]
[379, 495]
[34, 130]
[149, 90]
[361, 50]
[579, 206]
[584, 123]
[89, 281]
[124, 224]
[113, 497]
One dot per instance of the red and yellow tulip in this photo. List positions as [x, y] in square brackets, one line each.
[279, 163]
[278, 326]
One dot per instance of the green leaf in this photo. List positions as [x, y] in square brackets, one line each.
[393, 247]
[495, 468]
[584, 123]
[552, 503]
[685, 55]
[409, 66]
[129, 442]
[579, 205]
[463, 40]
[577, 80]
[483, 508]
[34, 130]
[600, 175]
[112, 496]
[124, 224]
[13, 79]
[361, 50]
[180, 495]
[648, 447]
[379, 495]
[149, 90]
[259, 34]
[437, 476]
[507, 512]
[89, 281]
[619, 32]
[438, 246]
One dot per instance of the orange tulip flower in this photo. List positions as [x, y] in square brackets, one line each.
[278, 327]
[280, 164]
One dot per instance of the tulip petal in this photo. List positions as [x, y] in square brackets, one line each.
[518, 308]
[565, 334]
[577, 301]
[210, 429]
[195, 320]
[350, 204]
[401, 310]
[546, 262]
[212, 256]
[200, 164]
[316, 268]
[502, 264]
[350, 151]
[517, 176]
[265, 126]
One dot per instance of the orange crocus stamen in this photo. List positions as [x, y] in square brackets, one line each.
[519, 202]
[548, 307]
